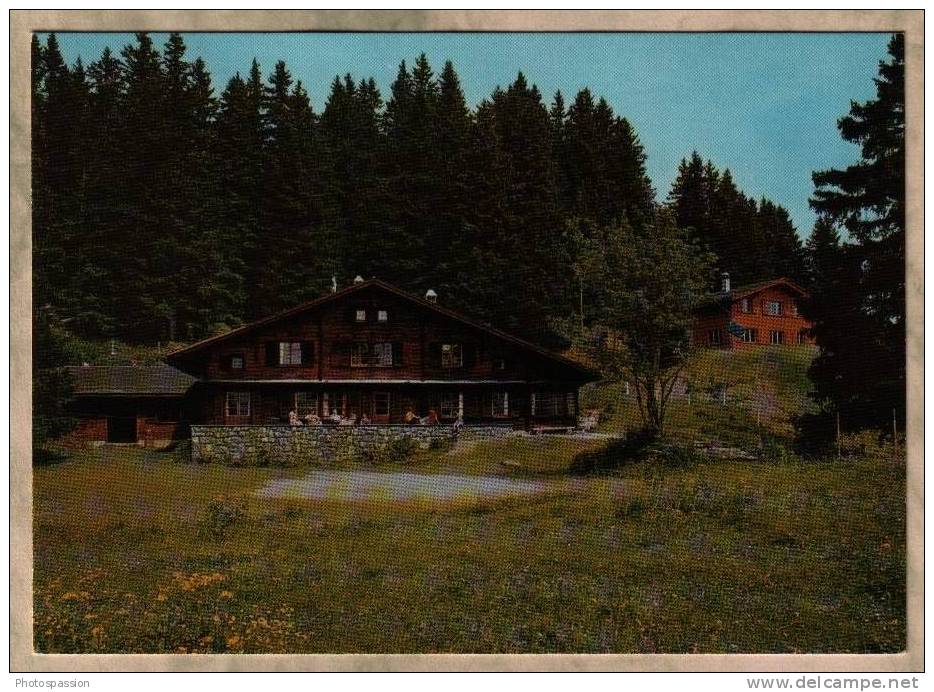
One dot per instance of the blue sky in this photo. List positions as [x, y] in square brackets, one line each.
[763, 105]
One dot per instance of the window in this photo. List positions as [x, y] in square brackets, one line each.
[571, 403]
[382, 316]
[500, 404]
[452, 356]
[305, 403]
[773, 307]
[776, 337]
[802, 336]
[746, 305]
[359, 354]
[382, 354]
[793, 309]
[290, 353]
[232, 361]
[547, 404]
[379, 354]
[499, 364]
[715, 337]
[360, 316]
[449, 405]
[750, 336]
[381, 404]
[237, 404]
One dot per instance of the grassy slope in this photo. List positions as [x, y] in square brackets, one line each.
[712, 557]
[772, 380]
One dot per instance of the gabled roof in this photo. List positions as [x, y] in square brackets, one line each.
[745, 291]
[129, 380]
[183, 353]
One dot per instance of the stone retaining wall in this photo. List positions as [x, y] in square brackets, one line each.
[282, 445]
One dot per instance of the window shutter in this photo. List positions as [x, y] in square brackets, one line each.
[434, 355]
[397, 353]
[272, 353]
[470, 355]
[340, 354]
[308, 352]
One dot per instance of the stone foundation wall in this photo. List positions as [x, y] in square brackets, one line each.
[282, 445]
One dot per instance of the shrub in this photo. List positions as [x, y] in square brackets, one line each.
[222, 513]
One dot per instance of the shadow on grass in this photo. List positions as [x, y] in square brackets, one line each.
[635, 447]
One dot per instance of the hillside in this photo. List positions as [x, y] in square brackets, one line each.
[733, 397]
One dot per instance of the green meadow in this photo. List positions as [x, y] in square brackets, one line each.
[141, 551]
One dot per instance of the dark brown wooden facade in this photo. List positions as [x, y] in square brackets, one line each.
[373, 349]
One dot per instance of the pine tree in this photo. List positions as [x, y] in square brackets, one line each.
[863, 377]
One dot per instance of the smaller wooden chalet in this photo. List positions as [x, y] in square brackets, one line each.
[764, 313]
[129, 404]
[374, 350]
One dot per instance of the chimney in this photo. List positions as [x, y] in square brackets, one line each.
[725, 282]
[431, 296]
[358, 279]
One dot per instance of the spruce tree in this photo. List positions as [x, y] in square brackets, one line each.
[863, 376]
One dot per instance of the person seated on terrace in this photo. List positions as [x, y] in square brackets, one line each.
[364, 419]
[334, 418]
[293, 419]
[431, 418]
[312, 419]
[410, 418]
[350, 420]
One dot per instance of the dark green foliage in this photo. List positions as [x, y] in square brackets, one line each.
[858, 286]
[51, 385]
[752, 241]
[166, 212]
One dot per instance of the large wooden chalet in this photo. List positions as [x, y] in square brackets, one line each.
[370, 349]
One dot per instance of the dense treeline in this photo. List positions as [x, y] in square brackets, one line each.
[163, 210]
[857, 277]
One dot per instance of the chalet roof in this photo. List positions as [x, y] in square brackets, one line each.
[129, 380]
[183, 353]
[722, 299]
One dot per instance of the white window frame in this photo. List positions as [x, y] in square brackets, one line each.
[802, 337]
[388, 396]
[359, 354]
[381, 354]
[450, 405]
[288, 350]
[382, 315]
[776, 337]
[360, 315]
[499, 407]
[746, 305]
[715, 337]
[305, 402]
[773, 308]
[235, 403]
[452, 356]
[750, 335]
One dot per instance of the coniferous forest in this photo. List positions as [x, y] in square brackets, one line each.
[169, 208]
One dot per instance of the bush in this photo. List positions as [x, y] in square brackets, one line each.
[222, 513]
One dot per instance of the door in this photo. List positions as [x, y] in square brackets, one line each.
[121, 429]
[380, 407]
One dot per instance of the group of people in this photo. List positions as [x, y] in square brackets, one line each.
[335, 418]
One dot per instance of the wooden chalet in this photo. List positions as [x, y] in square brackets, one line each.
[374, 349]
[764, 313]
